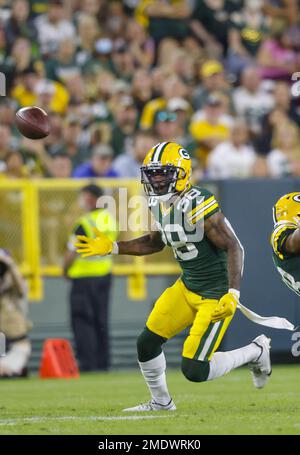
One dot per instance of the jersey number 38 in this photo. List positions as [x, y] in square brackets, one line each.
[174, 235]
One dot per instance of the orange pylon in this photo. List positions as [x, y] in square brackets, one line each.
[58, 360]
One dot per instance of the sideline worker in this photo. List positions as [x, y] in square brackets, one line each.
[91, 284]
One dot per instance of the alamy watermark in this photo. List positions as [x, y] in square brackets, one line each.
[295, 88]
[181, 220]
[2, 345]
[2, 84]
[296, 344]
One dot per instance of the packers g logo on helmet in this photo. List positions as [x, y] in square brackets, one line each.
[166, 170]
[287, 208]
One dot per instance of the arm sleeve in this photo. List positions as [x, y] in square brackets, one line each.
[278, 239]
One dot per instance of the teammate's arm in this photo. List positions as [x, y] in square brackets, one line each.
[220, 233]
[292, 243]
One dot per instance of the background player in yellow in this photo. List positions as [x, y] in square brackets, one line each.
[205, 297]
[285, 239]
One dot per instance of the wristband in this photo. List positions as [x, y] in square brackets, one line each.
[115, 248]
[235, 292]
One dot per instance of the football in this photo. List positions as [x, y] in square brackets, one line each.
[33, 122]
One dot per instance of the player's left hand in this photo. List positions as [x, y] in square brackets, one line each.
[225, 308]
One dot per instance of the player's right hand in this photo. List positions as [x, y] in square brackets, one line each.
[99, 246]
[225, 308]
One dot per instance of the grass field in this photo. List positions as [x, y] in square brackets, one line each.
[93, 405]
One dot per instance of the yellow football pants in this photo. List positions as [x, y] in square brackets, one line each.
[178, 308]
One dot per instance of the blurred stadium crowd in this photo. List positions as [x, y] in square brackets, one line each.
[118, 76]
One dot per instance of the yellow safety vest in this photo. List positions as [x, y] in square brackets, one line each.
[95, 265]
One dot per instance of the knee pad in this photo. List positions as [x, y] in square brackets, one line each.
[195, 370]
[149, 345]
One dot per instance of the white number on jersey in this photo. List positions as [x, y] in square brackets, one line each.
[289, 280]
[182, 249]
[188, 197]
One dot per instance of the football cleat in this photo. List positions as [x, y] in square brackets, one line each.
[261, 368]
[152, 406]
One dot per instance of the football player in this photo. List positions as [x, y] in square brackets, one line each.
[285, 239]
[189, 220]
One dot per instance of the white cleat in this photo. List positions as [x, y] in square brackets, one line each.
[261, 368]
[152, 406]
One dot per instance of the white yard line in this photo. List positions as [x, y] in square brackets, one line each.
[43, 419]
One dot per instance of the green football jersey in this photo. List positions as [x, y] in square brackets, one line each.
[204, 266]
[288, 265]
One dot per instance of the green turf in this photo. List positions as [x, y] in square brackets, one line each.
[226, 406]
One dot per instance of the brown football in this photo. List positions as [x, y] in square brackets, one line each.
[33, 122]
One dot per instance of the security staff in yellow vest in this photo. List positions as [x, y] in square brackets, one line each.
[91, 283]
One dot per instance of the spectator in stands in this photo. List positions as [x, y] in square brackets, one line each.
[140, 44]
[124, 127]
[170, 86]
[164, 19]
[119, 93]
[24, 91]
[91, 284]
[13, 319]
[127, 165]
[63, 66]
[73, 142]
[115, 21]
[141, 89]
[284, 109]
[283, 9]
[61, 166]
[284, 101]
[276, 57]
[212, 80]
[21, 54]
[182, 110]
[166, 126]
[53, 27]
[36, 159]
[20, 26]
[165, 51]
[284, 159]
[246, 34]
[88, 33]
[209, 127]
[15, 167]
[211, 20]
[234, 158]
[5, 145]
[251, 101]
[92, 8]
[51, 96]
[100, 164]
[122, 60]
[7, 113]
[53, 141]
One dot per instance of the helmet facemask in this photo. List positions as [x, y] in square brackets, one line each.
[160, 180]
